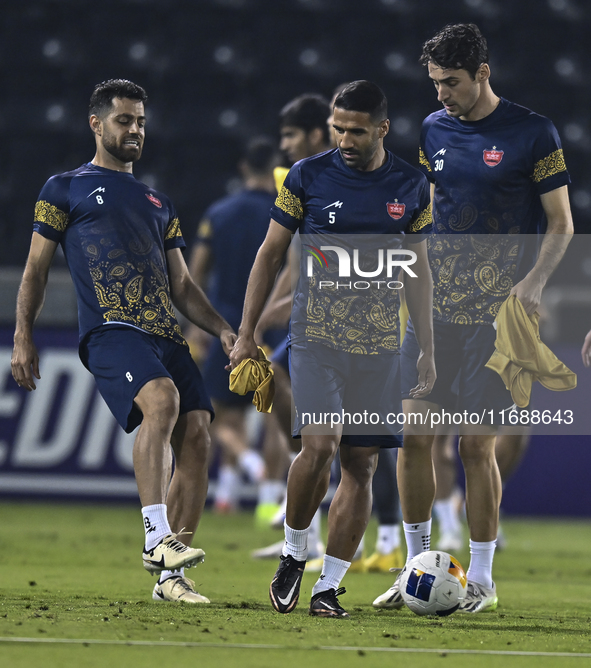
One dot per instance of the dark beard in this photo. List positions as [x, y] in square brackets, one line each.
[120, 152]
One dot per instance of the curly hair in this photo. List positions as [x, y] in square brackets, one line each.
[459, 46]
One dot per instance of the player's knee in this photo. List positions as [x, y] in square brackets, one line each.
[359, 467]
[417, 445]
[319, 452]
[159, 401]
[475, 450]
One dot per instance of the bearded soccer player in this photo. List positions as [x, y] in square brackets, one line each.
[122, 242]
[495, 168]
[341, 343]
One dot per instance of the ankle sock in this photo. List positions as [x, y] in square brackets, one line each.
[155, 524]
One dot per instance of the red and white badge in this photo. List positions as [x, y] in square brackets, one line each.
[492, 157]
[155, 201]
[396, 209]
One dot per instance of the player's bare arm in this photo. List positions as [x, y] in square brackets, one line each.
[191, 301]
[558, 235]
[419, 298]
[260, 283]
[31, 294]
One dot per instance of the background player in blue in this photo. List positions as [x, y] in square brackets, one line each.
[365, 177]
[495, 168]
[122, 243]
[228, 237]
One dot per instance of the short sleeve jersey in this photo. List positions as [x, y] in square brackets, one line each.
[234, 227]
[488, 175]
[321, 195]
[114, 231]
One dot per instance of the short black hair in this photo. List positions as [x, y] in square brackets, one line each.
[308, 112]
[261, 155]
[364, 96]
[459, 46]
[103, 94]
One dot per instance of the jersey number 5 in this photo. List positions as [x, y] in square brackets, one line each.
[331, 217]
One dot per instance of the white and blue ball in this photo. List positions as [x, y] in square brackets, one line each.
[433, 583]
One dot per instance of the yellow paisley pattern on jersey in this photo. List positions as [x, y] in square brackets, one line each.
[553, 164]
[51, 215]
[472, 275]
[424, 219]
[289, 204]
[132, 290]
[423, 159]
[173, 230]
[362, 321]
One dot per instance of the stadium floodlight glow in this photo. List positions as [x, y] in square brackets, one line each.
[52, 48]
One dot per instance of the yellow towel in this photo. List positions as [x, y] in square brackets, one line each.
[521, 358]
[255, 375]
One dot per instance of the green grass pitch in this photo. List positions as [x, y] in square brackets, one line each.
[73, 573]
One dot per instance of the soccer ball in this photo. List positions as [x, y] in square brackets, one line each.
[433, 583]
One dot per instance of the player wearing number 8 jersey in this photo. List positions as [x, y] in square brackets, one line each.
[496, 171]
[122, 242]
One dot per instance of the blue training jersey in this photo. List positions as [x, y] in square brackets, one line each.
[321, 195]
[115, 232]
[234, 228]
[488, 175]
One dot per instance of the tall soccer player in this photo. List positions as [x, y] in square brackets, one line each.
[122, 242]
[495, 168]
[344, 341]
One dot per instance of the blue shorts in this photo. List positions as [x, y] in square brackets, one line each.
[217, 379]
[123, 359]
[326, 381]
[463, 382]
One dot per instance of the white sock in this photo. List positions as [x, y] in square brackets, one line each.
[418, 538]
[481, 561]
[228, 483]
[359, 551]
[296, 543]
[333, 571]
[165, 575]
[252, 464]
[271, 491]
[155, 524]
[448, 517]
[388, 538]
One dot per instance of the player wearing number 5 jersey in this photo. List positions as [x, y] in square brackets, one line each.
[342, 339]
[122, 242]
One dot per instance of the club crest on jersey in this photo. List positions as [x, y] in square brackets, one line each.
[155, 201]
[396, 209]
[492, 157]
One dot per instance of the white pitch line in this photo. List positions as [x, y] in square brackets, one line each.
[213, 645]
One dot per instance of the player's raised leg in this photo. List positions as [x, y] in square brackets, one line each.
[158, 401]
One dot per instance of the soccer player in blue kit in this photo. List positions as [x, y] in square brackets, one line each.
[122, 242]
[495, 168]
[228, 237]
[378, 194]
